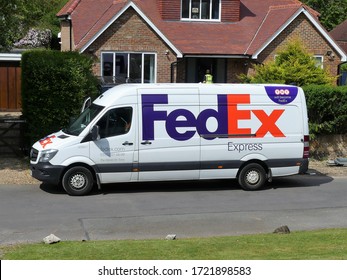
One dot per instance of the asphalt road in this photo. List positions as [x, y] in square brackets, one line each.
[187, 209]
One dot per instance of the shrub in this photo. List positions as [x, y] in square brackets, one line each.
[54, 85]
[327, 109]
[292, 65]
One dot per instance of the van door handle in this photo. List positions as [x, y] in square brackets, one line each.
[146, 143]
[126, 143]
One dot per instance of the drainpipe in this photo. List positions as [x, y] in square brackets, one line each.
[70, 31]
[339, 73]
[173, 65]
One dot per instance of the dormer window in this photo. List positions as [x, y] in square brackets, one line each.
[201, 10]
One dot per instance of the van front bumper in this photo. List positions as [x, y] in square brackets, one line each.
[46, 172]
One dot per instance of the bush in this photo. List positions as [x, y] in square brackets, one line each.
[54, 85]
[292, 65]
[327, 109]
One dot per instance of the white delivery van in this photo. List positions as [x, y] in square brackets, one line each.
[161, 132]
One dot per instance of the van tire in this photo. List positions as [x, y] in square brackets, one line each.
[252, 177]
[78, 180]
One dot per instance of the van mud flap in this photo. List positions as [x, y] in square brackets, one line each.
[269, 176]
[98, 181]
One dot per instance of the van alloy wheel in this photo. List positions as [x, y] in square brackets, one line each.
[252, 177]
[78, 180]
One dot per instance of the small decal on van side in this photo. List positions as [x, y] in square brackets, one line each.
[281, 94]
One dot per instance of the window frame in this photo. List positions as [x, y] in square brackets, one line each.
[128, 70]
[107, 132]
[210, 19]
[319, 63]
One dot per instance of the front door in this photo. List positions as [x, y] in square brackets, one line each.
[114, 153]
[197, 67]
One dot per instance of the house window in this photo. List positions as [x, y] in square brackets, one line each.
[128, 67]
[317, 58]
[319, 61]
[201, 9]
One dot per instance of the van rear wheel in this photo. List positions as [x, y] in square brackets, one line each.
[78, 180]
[252, 177]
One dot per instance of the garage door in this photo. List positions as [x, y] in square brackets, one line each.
[10, 86]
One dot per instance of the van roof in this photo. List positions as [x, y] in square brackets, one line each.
[112, 95]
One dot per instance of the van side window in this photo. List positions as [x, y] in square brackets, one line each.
[115, 122]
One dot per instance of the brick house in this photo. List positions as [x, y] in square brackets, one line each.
[178, 40]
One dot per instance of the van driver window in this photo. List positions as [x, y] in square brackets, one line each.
[115, 122]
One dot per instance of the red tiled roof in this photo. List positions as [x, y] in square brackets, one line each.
[259, 21]
[339, 33]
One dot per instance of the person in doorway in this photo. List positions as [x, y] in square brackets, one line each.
[208, 79]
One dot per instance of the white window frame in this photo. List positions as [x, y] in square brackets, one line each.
[319, 63]
[200, 19]
[114, 53]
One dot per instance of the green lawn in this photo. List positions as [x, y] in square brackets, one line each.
[305, 245]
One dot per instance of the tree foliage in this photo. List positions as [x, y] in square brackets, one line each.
[292, 65]
[17, 16]
[54, 85]
[333, 12]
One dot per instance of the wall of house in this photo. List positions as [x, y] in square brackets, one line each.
[130, 33]
[236, 67]
[314, 42]
[65, 35]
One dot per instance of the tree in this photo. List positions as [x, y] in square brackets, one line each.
[17, 16]
[10, 22]
[333, 12]
[293, 65]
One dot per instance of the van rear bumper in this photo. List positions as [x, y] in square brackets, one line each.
[46, 172]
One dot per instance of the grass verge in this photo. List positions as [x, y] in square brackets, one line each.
[328, 244]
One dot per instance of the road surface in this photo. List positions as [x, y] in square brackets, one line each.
[28, 213]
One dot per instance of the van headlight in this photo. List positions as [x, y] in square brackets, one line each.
[47, 155]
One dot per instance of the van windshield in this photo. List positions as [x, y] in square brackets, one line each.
[84, 119]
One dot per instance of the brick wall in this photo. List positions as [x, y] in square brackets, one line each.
[65, 35]
[130, 33]
[235, 67]
[314, 42]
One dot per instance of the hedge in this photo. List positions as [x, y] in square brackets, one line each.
[327, 109]
[54, 86]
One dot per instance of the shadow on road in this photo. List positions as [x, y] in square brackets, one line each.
[297, 181]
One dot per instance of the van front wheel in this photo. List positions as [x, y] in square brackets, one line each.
[252, 177]
[78, 180]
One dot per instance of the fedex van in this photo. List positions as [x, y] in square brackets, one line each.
[162, 132]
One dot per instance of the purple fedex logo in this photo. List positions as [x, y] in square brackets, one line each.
[227, 116]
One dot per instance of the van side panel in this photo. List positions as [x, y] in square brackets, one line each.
[169, 147]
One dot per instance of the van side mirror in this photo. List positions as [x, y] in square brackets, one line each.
[86, 104]
[95, 133]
